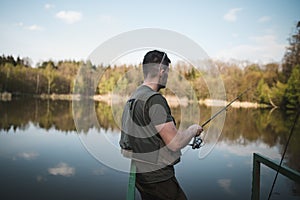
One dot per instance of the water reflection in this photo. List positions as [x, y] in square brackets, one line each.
[62, 169]
[242, 126]
[40, 150]
[27, 155]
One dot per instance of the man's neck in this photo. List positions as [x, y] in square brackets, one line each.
[154, 86]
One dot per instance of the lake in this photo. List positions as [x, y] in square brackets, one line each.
[44, 155]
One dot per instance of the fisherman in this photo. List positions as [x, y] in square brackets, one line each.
[149, 132]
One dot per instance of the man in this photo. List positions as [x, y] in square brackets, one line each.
[149, 131]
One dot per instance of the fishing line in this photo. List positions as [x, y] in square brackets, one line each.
[285, 148]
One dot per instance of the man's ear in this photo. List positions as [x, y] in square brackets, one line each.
[161, 71]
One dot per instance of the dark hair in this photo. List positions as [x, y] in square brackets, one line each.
[151, 61]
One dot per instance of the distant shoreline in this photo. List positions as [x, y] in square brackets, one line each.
[173, 101]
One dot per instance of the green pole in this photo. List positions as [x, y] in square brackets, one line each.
[255, 178]
[131, 182]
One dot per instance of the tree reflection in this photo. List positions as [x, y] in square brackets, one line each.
[242, 126]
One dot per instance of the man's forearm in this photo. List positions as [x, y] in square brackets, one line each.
[182, 139]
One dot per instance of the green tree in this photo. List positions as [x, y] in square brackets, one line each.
[49, 73]
[263, 92]
[251, 78]
[277, 94]
[293, 89]
[292, 55]
[271, 73]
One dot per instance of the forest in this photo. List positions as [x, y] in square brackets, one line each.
[273, 84]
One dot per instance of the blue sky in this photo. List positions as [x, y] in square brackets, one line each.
[255, 30]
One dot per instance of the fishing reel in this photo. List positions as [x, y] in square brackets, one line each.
[197, 143]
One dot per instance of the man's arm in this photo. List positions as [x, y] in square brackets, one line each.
[161, 118]
[174, 139]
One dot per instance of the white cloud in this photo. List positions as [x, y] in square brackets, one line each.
[226, 185]
[28, 155]
[48, 6]
[69, 17]
[62, 169]
[264, 39]
[34, 27]
[246, 150]
[264, 19]
[40, 178]
[231, 15]
[263, 48]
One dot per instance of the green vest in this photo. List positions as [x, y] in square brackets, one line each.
[141, 142]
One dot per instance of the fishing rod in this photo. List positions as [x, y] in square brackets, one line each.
[285, 148]
[197, 140]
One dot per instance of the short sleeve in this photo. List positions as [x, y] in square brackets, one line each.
[159, 110]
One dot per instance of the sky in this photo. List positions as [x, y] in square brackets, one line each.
[253, 30]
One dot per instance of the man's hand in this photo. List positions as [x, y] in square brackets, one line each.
[174, 139]
[196, 129]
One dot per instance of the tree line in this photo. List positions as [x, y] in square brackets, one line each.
[273, 84]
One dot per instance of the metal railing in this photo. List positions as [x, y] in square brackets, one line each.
[257, 160]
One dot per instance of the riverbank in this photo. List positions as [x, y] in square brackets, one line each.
[173, 101]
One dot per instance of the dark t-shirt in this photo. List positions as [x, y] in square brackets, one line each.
[156, 111]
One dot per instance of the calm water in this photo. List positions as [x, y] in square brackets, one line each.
[42, 156]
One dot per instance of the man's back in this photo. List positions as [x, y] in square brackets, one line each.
[145, 109]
